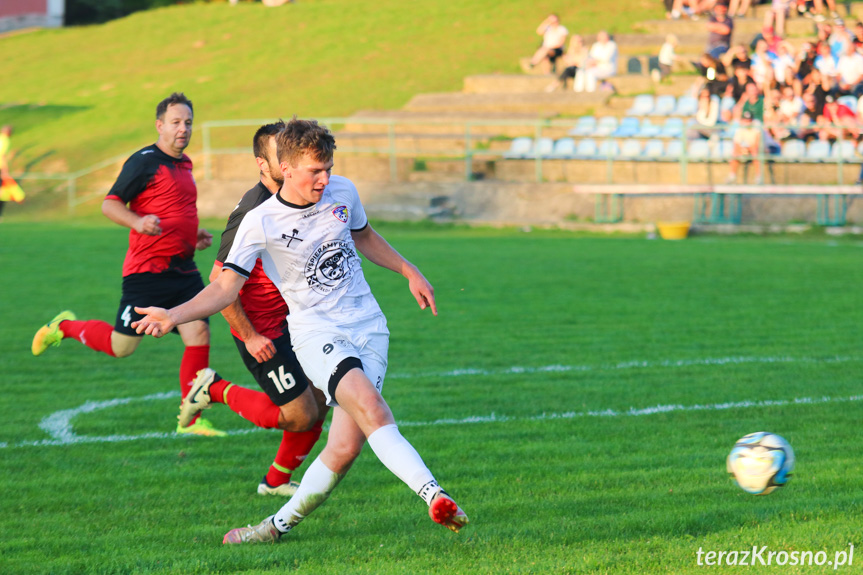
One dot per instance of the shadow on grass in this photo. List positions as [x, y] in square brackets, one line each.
[26, 116]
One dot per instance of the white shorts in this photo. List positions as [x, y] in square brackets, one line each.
[321, 351]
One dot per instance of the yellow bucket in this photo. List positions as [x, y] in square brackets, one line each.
[673, 230]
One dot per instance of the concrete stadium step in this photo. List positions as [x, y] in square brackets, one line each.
[744, 28]
[446, 123]
[524, 84]
[554, 103]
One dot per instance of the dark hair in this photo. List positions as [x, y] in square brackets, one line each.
[175, 98]
[264, 133]
[302, 136]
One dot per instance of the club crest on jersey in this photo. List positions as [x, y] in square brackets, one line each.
[329, 266]
[341, 213]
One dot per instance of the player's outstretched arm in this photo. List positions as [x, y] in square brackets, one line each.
[374, 247]
[212, 299]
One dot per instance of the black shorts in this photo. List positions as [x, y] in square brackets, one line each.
[167, 289]
[281, 377]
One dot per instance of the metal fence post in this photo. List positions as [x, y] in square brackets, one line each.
[391, 135]
[208, 169]
[468, 153]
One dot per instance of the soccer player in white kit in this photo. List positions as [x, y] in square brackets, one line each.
[307, 237]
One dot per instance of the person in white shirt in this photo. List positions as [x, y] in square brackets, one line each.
[554, 36]
[308, 237]
[601, 64]
[849, 70]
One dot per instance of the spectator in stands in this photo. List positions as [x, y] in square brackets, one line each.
[688, 7]
[746, 145]
[839, 38]
[805, 62]
[850, 71]
[667, 57]
[826, 65]
[706, 117]
[822, 33]
[720, 27]
[784, 64]
[601, 64]
[837, 122]
[737, 85]
[819, 10]
[738, 8]
[572, 61]
[819, 87]
[808, 118]
[788, 113]
[776, 16]
[762, 62]
[714, 76]
[752, 102]
[857, 38]
[737, 56]
[553, 40]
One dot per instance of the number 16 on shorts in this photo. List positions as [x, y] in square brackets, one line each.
[283, 380]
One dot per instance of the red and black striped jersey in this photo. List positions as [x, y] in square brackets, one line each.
[152, 182]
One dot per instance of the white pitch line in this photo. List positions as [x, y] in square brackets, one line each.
[58, 425]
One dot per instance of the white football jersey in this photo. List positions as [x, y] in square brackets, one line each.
[308, 252]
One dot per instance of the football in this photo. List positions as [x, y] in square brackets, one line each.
[761, 462]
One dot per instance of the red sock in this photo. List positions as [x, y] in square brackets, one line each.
[293, 450]
[256, 406]
[93, 333]
[195, 358]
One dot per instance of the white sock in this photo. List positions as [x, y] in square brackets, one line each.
[402, 459]
[317, 484]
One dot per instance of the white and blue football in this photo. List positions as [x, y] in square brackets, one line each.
[761, 462]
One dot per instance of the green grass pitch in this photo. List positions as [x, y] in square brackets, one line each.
[578, 395]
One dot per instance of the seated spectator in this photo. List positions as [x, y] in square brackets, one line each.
[737, 56]
[819, 87]
[706, 117]
[762, 62]
[714, 76]
[752, 103]
[784, 64]
[720, 27]
[837, 122]
[857, 38]
[738, 8]
[574, 59]
[788, 114]
[746, 145]
[737, 84]
[553, 40]
[849, 71]
[826, 65]
[839, 39]
[770, 38]
[804, 63]
[667, 57]
[601, 64]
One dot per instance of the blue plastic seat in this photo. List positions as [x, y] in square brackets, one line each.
[564, 148]
[674, 149]
[672, 128]
[641, 106]
[584, 126]
[726, 148]
[542, 148]
[818, 150]
[608, 148]
[699, 150]
[631, 149]
[793, 150]
[846, 149]
[648, 129]
[664, 106]
[686, 106]
[519, 148]
[654, 149]
[628, 127]
[605, 126]
[585, 148]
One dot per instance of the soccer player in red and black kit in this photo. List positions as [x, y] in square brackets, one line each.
[260, 330]
[157, 184]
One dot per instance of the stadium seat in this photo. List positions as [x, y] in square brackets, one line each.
[726, 148]
[608, 148]
[849, 101]
[818, 150]
[664, 106]
[845, 149]
[584, 126]
[633, 65]
[654, 149]
[585, 149]
[793, 150]
[564, 148]
[605, 126]
[630, 149]
[728, 130]
[674, 149]
[648, 129]
[641, 106]
[672, 128]
[628, 127]
[699, 150]
[519, 148]
[686, 106]
[542, 148]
